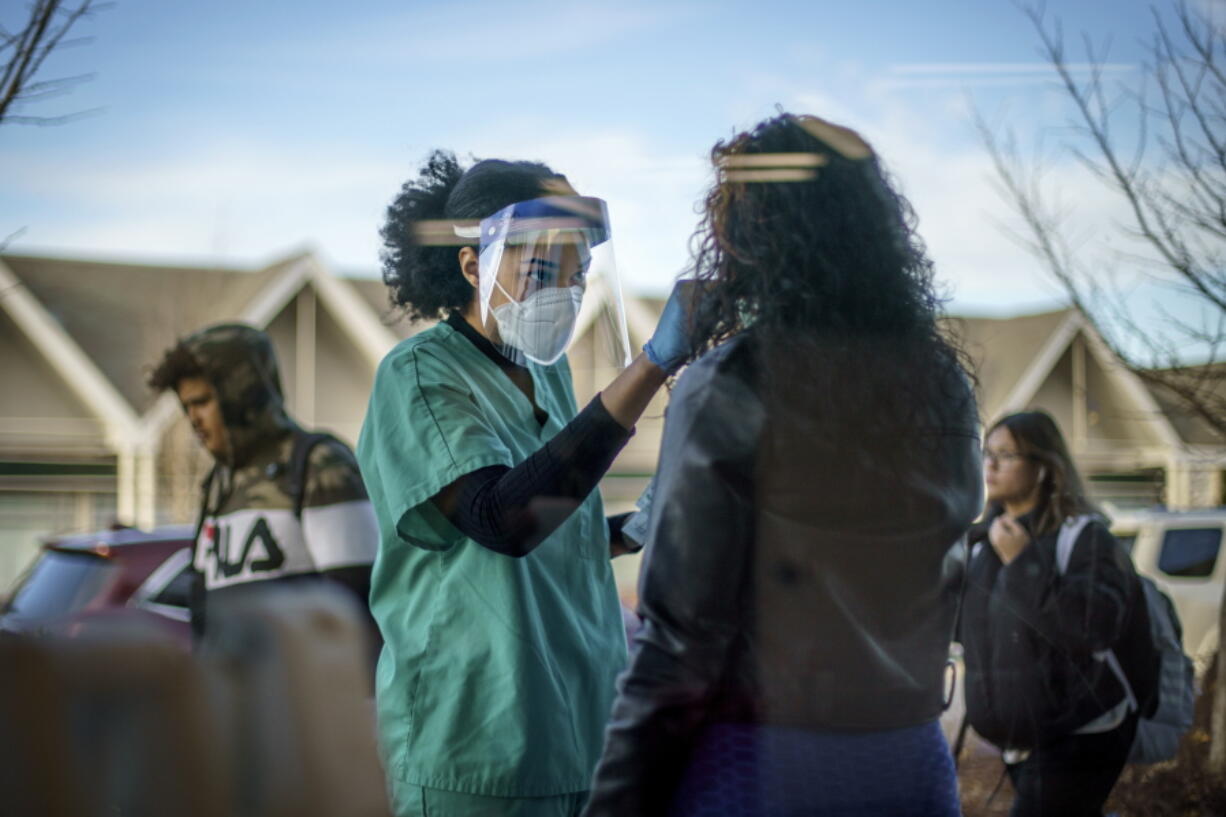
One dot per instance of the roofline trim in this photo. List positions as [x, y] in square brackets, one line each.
[1040, 367]
[352, 312]
[277, 294]
[1206, 454]
[75, 368]
[1045, 361]
[1132, 384]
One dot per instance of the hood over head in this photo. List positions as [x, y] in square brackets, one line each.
[240, 362]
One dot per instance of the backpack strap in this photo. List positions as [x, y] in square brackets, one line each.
[195, 604]
[299, 461]
[1069, 531]
[206, 488]
[957, 625]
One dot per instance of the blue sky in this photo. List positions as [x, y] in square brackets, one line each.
[237, 132]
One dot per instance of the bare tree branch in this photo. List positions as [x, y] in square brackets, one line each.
[22, 54]
[49, 121]
[45, 32]
[10, 238]
[1170, 175]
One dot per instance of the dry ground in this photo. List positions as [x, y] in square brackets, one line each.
[1179, 788]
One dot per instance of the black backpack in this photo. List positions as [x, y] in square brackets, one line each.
[1174, 698]
[1150, 654]
[299, 459]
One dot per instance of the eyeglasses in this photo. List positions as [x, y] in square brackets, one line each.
[1002, 457]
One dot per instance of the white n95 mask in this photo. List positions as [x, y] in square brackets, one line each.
[542, 324]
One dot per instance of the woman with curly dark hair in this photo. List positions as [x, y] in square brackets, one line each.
[820, 464]
[492, 586]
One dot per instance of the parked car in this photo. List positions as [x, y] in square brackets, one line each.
[80, 580]
[1180, 551]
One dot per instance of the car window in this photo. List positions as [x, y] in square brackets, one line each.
[177, 591]
[60, 583]
[1190, 552]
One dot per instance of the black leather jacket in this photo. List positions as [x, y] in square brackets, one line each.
[782, 584]
[1029, 632]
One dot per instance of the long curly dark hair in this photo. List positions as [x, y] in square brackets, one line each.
[806, 243]
[424, 278]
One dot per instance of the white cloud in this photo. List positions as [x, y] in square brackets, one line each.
[247, 200]
[234, 203]
[928, 144]
[966, 75]
[481, 32]
[980, 68]
[1213, 11]
[217, 173]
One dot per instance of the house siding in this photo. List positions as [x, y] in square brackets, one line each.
[1125, 448]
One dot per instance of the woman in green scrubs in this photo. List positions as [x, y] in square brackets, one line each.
[492, 587]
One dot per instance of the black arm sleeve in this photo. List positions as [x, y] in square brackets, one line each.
[616, 522]
[512, 510]
[196, 606]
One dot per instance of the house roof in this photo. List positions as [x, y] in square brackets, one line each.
[1190, 426]
[1003, 350]
[124, 315]
[1014, 344]
[374, 292]
[1012, 357]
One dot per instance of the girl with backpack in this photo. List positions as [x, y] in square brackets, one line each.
[1038, 626]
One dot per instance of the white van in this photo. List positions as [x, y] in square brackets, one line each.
[1182, 552]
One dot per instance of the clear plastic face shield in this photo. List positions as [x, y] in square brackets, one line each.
[547, 278]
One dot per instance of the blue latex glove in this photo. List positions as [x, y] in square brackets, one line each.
[670, 344]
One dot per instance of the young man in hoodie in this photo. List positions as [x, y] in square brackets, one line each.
[253, 528]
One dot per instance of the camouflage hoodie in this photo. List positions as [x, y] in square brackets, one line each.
[250, 531]
[241, 364]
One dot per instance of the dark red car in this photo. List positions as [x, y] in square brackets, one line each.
[125, 574]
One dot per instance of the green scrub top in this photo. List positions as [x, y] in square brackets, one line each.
[497, 673]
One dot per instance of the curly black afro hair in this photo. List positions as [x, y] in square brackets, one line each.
[425, 279]
[828, 275]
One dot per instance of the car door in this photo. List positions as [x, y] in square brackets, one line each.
[1189, 567]
[167, 590]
